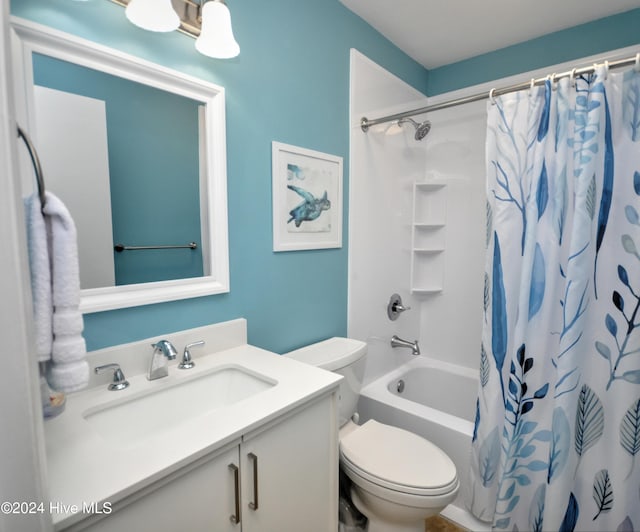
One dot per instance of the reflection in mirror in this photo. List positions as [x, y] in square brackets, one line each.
[129, 174]
[137, 153]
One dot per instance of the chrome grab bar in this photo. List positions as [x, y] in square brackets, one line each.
[121, 247]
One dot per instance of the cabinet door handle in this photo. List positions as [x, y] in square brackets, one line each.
[254, 504]
[235, 518]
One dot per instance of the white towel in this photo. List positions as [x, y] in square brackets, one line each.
[69, 369]
[40, 277]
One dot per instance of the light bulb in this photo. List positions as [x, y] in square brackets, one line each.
[153, 15]
[216, 38]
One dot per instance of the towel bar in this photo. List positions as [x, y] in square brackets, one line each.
[120, 247]
[36, 164]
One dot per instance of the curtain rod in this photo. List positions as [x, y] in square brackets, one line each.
[365, 123]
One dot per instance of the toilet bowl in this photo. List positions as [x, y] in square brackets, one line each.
[398, 478]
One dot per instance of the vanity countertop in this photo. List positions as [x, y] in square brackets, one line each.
[85, 468]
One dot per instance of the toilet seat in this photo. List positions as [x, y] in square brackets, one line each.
[398, 460]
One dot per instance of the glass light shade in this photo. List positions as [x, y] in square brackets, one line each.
[216, 38]
[153, 15]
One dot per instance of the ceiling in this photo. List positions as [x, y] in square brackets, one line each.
[439, 32]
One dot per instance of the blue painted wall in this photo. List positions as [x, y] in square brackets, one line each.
[603, 35]
[154, 169]
[289, 84]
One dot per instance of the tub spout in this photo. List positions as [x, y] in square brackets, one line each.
[399, 342]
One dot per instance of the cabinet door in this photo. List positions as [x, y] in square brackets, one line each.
[200, 498]
[289, 473]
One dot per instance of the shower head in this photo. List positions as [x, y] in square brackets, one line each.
[421, 129]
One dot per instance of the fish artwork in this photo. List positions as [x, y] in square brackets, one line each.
[310, 209]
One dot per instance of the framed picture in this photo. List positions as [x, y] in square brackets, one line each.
[307, 199]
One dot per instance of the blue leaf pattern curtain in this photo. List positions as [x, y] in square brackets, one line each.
[557, 429]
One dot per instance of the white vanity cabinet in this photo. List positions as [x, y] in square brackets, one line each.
[296, 473]
[286, 482]
[199, 497]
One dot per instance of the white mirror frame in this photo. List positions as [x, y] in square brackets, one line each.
[32, 37]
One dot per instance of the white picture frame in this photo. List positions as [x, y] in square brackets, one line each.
[307, 198]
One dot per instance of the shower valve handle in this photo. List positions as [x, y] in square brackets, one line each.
[395, 307]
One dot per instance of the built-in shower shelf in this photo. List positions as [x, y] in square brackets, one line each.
[428, 237]
[427, 227]
[428, 251]
[426, 291]
[430, 185]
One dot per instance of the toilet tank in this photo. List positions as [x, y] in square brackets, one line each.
[343, 356]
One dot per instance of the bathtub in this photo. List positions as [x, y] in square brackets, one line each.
[437, 401]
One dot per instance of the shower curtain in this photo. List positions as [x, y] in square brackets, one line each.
[556, 441]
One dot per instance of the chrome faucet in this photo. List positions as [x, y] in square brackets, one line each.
[399, 342]
[163, 351]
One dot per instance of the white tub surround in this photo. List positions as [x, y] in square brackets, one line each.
[86, 467]
[385, 163]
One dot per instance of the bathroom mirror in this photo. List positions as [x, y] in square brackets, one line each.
[157, 181]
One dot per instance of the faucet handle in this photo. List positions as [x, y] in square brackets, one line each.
[119, 381]
[187, 361]
[395, 307]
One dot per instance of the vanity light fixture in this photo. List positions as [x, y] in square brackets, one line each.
[208, 21]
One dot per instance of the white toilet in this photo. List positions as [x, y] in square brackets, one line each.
[398, 478]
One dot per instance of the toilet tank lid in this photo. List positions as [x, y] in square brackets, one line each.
[330, 354]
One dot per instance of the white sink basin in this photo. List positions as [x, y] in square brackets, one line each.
[130, 420]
